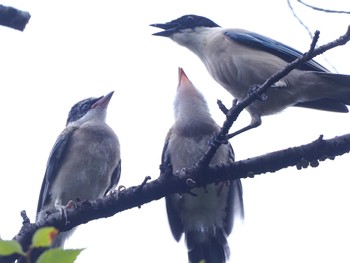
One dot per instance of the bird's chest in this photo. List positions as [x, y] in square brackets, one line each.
[186, 151]
[88, 163]
[206, 207]
[226, 71]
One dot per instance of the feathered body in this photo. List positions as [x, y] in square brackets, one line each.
[207, 218]
[84, 163]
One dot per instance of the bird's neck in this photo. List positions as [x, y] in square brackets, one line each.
[192, 117]
[190, 127]
[94, 114]
[194, 39]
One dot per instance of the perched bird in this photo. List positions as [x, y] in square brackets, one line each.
[206, 217]
[84, 162]
[238, 59]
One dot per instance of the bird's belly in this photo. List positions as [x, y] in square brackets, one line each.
[205, 209]
[86, 176]
[239, 73]
[277, 99]
[89, 185]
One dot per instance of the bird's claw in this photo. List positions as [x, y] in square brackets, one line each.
[71, 204]
[165, 169]
[63, 210]
[190, 182]
[63, 214]
[116, 191]
[121, 188]
[253, 91]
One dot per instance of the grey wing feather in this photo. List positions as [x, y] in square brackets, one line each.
[288, 54]
[53, 163]
[115, 177]
[324, 104]
[272, 46]
[175, 223]
[235, 206]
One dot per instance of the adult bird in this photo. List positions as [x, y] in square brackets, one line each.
[84, 162]
[239, 59]
[207, 215]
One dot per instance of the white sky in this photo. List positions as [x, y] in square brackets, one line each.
[71, 50]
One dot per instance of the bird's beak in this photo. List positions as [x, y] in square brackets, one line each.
[102, 103]
[169, 29]
[183, 79]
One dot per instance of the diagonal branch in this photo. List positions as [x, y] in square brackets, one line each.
[233, 113]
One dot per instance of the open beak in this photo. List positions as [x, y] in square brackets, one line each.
[169, 29]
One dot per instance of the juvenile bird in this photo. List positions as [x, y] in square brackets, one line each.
[239, 59]
[84, 162]
[206, 217]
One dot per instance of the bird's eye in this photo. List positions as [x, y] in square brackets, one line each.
[85, 107]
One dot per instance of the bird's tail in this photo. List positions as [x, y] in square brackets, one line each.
[204, 247]
[325, 91]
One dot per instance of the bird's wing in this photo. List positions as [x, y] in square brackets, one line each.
[272, 46]
[234, 206]
[115, 177]
[175, 223]
[324, 104]
[53, 163]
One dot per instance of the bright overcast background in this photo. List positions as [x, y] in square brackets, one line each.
[71, 50]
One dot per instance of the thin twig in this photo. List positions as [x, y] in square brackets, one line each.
[299, 19]
[323, 9]
[222, 107]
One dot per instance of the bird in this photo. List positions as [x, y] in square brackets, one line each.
[84, 163]
[241, 60]
[207, 215]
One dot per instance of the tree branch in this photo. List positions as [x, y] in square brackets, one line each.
[136, 196]
[14, 18]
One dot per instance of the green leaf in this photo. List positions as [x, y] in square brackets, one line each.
[9, 247]
[44, 237]
[58, 255]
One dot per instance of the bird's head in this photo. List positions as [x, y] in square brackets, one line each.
[80, 109]
[184, 23]
[189, 104]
